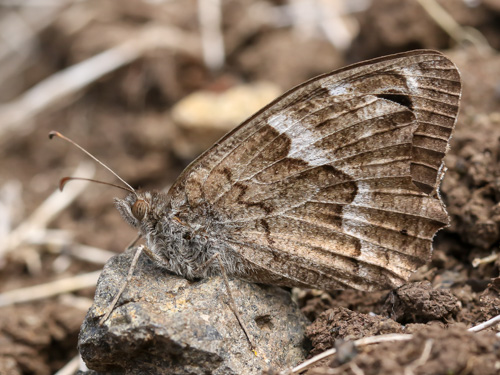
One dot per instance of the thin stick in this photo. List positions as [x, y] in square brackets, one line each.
[489, 259]
[424, 357]
[81, 303]
[71, 367]
[381, 338]
[334, 23]
[89, 253]
[457, 32]
[50, 289]
[209, 17]
[355, 369]
[487, 324]
[15, 115]
[59, 242]
[47, 211]
[361, 342]
[124, 285]
[20, 29]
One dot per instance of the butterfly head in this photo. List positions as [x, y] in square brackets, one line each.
[142, 209]
[135, 208]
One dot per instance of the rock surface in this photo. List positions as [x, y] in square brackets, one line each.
[164, 324]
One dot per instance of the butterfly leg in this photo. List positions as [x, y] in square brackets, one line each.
[154, 257]
[124, 285]
[232, 304]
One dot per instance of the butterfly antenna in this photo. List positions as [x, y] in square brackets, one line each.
[64, 180]
[53, 134]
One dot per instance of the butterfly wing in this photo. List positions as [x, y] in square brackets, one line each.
[334, 184]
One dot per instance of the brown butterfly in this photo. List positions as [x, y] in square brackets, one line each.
[333, 185]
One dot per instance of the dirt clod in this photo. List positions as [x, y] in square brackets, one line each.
[342, 323]
[432, 350]
[419, 302]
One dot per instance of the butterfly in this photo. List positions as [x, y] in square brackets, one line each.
[333, 185]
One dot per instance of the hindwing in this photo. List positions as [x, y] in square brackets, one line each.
[335, 183]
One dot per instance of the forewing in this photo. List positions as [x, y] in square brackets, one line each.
[334, 184]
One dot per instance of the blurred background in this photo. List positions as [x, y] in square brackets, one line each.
[147, 85]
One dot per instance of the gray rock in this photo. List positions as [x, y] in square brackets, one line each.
[164, 324]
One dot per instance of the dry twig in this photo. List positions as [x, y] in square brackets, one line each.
[81, 303]
[457, 32]
[19, 30]
[361, 342]
[71, 367]
[487, 324]
[51, 289]
[60, 242]
[46, 212]
[489, 259]
[15, 116]
[387, 338]
[356, 370]
[209, 17]
[424, 357]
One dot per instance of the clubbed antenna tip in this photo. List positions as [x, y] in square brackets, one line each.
[63, 182]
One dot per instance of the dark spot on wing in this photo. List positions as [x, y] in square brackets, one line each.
[267, 231]
[357, 250]
[227, 172]
[398, 98]
[267, 208]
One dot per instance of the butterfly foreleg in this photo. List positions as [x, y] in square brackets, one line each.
[153, 256]
[200, 270]
[124, 285]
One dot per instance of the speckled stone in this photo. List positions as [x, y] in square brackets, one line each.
[164, 324]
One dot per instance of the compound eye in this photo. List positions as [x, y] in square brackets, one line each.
[139, 209]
